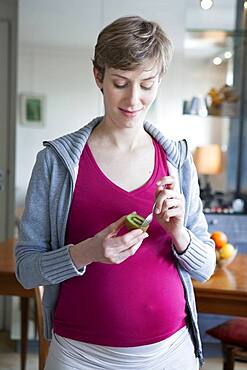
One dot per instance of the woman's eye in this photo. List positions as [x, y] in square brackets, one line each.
[119, 86]
[147, 87]
[123, 85]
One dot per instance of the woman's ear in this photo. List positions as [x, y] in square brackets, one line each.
[98, 78]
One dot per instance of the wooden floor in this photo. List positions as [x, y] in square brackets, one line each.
[10, 360]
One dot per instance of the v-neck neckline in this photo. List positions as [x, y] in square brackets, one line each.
[141, 188]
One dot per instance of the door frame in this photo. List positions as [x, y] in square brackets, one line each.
[9, 14]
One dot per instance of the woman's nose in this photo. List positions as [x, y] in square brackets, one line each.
[133, 96]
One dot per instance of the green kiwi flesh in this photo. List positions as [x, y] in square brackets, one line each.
[134, 221]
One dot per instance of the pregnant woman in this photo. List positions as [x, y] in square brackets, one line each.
[114, 298]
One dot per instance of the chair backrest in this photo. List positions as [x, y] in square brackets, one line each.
[43, 343]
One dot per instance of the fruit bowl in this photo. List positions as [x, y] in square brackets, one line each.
[225, 251]
[223, 262]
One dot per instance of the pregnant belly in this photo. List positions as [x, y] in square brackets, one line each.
[140, 301]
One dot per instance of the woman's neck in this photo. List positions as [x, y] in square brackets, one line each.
[123, 139]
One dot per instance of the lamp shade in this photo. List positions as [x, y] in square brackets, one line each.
[208, 159]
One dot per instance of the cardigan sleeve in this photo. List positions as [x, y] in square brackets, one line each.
[36, 262]
[199, 258]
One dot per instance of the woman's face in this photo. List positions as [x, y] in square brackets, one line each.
[128, 95]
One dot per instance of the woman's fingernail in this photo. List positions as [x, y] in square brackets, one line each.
[145, 235]
[156, 210]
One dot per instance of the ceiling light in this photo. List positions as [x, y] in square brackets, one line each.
[245, 5]
[206, 4]
[227, 54]
[217, 61]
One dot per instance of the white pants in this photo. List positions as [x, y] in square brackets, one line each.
[173, 353]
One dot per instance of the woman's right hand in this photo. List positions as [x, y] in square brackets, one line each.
[107, 247]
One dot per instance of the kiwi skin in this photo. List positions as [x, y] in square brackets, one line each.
[134, 221]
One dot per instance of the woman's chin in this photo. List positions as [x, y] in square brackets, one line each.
[121, 121]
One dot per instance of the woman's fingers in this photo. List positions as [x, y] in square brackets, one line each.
[171, 203]
[117, 249]
[123, 242]
[162, 199]
[120, 257]
[111, 248]
[114, 228]
[166, 182]
[134, 248]
[173, 212]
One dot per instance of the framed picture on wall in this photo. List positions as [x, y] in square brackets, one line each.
[32, 108]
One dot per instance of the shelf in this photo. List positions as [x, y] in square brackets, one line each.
[229, 110]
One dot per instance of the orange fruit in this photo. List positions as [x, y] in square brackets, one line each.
[226, 251]
[219, 238]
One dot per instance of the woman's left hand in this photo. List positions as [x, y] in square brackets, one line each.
[170, 205]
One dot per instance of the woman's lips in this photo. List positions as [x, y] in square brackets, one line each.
[130, 113]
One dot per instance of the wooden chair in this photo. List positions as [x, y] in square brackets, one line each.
[233, 337]
[43, 343]
[232, 354]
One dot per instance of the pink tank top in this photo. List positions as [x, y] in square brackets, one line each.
[138, 302]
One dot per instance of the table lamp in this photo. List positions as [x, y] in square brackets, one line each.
[208, 161]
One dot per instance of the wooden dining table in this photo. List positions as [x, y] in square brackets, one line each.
[224, 293]
[9, 286]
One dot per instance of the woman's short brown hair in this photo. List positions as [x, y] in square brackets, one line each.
[129, 42]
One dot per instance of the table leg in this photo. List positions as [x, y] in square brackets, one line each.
[24, 330]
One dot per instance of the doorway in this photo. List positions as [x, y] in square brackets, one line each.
[8, 62]
[8, 56]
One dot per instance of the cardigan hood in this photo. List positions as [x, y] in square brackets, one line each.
[70, 146]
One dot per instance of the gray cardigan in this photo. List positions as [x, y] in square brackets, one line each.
[43, 259]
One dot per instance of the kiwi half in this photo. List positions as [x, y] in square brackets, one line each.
[135, 221]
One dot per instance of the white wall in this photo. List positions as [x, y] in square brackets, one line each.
[188, 77]
[72, 99]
